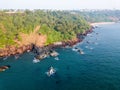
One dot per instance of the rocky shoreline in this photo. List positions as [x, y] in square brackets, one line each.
[41, 51]
[14, 51]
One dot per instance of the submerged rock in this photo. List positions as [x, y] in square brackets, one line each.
[41, 56]
[80, 51]
[53, 53]
[3, 68]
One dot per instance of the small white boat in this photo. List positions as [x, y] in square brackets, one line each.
[51, 71]
[36, 60]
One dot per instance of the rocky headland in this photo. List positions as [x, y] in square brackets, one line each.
[39, 49]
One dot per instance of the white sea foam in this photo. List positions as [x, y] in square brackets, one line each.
[36, 60]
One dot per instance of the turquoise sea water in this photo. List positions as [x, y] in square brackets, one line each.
[97, 69]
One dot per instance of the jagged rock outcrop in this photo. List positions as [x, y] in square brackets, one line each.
[40, 48]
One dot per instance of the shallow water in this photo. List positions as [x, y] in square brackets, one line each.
[97, 69]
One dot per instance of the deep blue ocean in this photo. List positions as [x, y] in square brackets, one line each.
[97, 69]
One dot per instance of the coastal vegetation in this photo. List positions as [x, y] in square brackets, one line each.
[93, 16]
[56, 25]
[17, 27]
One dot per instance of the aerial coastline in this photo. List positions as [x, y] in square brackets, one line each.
[60, 45]
[27, 30]
[32, 47]
[21, 32]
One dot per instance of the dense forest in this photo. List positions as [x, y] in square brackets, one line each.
[56, 25]
[99, 15]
